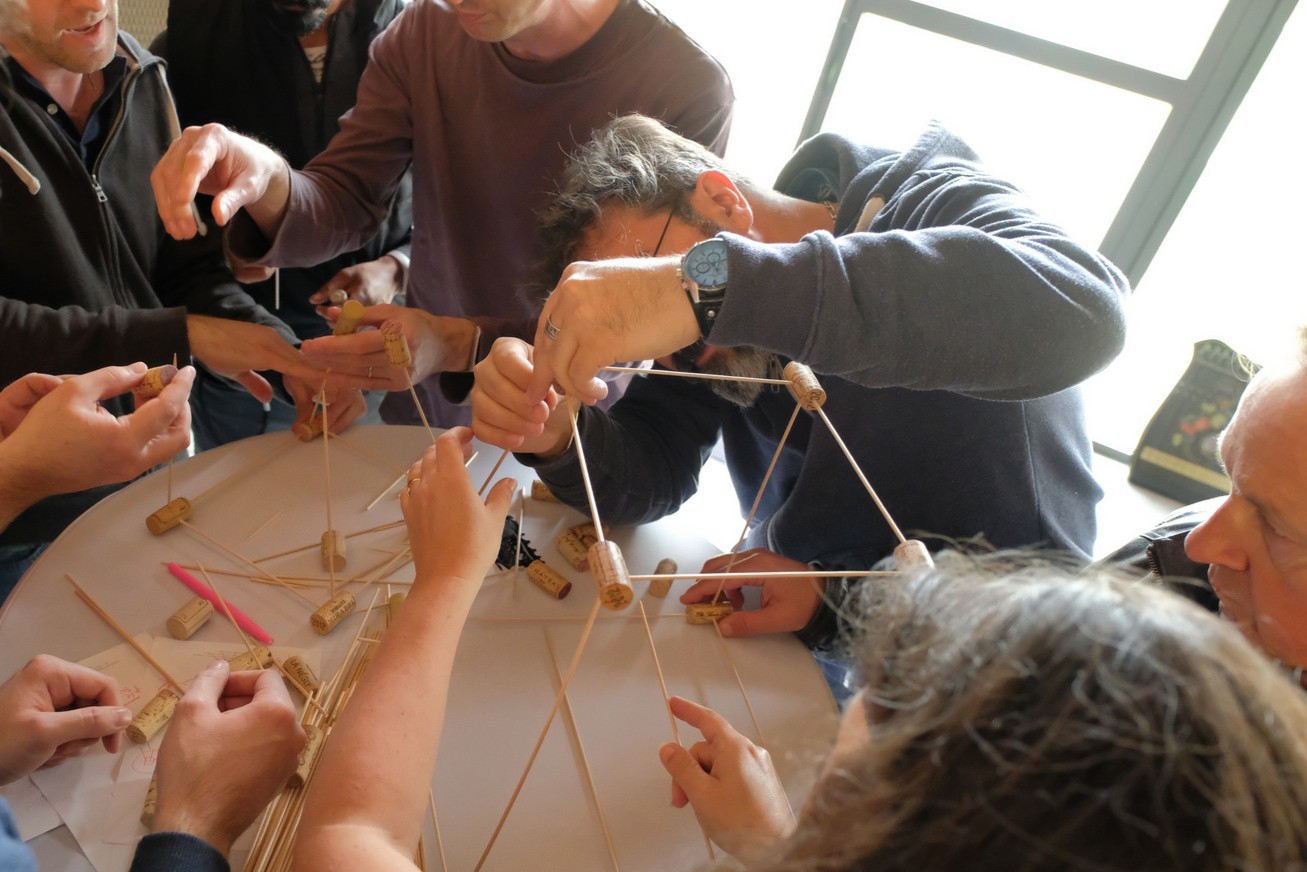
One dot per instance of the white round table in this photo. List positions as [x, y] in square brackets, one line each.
[504, 681]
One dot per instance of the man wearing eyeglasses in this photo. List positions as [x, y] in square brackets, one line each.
[947, 321]
[484, 99]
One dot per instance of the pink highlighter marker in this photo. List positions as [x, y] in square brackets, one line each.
[203, 590]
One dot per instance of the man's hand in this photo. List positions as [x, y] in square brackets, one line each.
[344, 405]
[372, 283]
[236, 170]
[503, 416]
[731, 784]
[608, 311]
[787, 603]
[228, 750]
[453, 534]
[436, 343]
[237, 349]
[59, 439]
[51, 710]
[20, 396]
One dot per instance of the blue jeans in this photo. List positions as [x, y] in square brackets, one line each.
[14, 561]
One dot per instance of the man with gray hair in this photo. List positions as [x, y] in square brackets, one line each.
[949, 322]
[1246, 553]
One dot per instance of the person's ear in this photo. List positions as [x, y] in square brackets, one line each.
[717, 198]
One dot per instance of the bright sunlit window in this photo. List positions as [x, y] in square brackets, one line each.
[1224, 270]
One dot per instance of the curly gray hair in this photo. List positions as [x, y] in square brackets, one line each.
[631, 161]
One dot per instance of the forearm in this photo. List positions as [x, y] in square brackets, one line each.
[366, 792]
[1003, 307]
[72, 339]
[15, 495]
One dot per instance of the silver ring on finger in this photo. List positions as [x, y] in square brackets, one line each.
[551, 330]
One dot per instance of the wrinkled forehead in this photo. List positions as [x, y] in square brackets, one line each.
[1267, 439]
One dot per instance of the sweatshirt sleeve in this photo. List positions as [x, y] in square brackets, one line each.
[341, 197]
[959, 286]
[74, 339]
[644, 454]
[177, 852]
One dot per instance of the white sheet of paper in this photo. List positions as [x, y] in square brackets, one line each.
[100, 795]
[32, 812]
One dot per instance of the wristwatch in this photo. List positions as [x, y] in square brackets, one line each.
[703, 275]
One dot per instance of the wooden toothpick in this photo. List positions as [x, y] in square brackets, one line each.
[558, 700]
[570, 719]
[126, 637]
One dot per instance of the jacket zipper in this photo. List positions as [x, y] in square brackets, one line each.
[110, 223]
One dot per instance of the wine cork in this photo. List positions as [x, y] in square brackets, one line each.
[247, 662]
[540, 491]
[151, 801]
[338, 297]
[392, 333]
[169, 516]
[301, 672]
[609, 568]
[189, 618]
[351, 313]
[573, 549]
[393, 604]
[153, 382]
[659, 587]
[804, 385]
[308, 758]
[913, 554]
[544, 577]
[335, 610]
[707, 613]
[151, 719]
[307, 431]
[333, 551]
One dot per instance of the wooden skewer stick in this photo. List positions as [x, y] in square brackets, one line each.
[796, 573]
[189, 526]
[403, 475]
[498, 463]
[726, 652]
[662, 682]
[757, 500]
[389, 525]
[222, 601]
[298, 580]
[126, 637]
[862, 478]
[390, 487]
[676, 373]
[567, 680]
[570, 719]
[174, 366]
[435, 825]
[421, 412]
[326, 463]
[265, 524]
[572, 412]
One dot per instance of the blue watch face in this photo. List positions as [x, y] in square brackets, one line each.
[706, 264]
